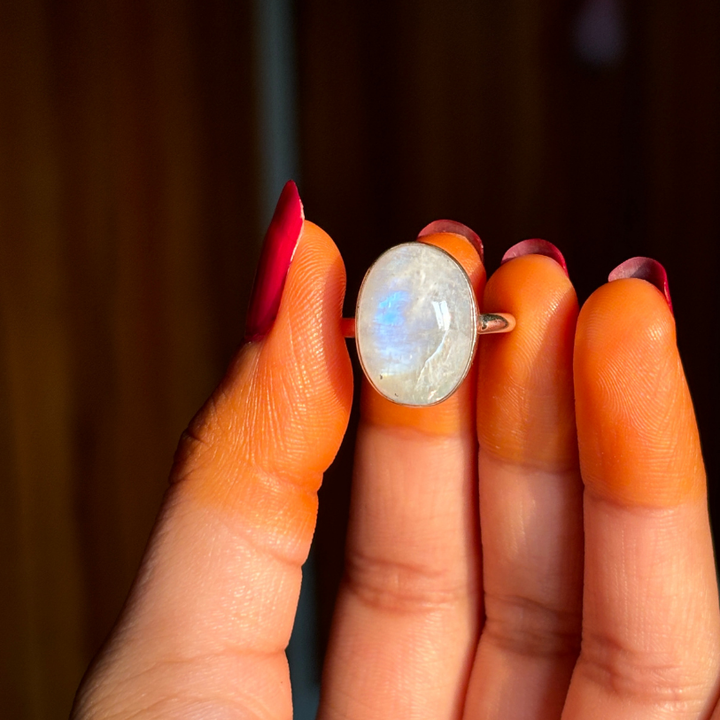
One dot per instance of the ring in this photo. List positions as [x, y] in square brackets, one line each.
[417, 323]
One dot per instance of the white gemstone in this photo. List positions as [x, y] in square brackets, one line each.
[416, 324]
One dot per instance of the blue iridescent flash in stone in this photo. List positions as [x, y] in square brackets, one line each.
[416, 324]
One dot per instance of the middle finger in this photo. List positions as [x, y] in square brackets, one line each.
[530, 493]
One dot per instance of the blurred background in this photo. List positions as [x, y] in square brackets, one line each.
[142, 146]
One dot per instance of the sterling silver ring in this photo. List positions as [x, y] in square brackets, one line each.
[417, 323]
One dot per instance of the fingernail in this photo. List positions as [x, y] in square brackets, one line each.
[646, 269]
[451, 226]
[279, 246]
[536, 246]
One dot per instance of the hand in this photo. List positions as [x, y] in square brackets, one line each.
[594, 595]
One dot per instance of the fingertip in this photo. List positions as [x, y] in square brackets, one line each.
[457, 228]
[536, 246]
[525, 403]
[304, 372]
[646, 269]
[283, 406]
[463, 249]
[621, 313]
[636, 426]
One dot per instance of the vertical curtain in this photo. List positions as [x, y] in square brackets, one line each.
[128, 239]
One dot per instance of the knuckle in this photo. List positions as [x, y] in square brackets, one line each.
[170, 688]
[402, 586]
[197, 445]
[530, 627]
[650, 677]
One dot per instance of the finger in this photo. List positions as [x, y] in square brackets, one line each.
[651, 629]
[406, 621]
[530, 494]
[211, 613]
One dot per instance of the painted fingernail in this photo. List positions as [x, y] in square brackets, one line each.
[536, 246]
[451, 226]
[279, 247]
[646, 269]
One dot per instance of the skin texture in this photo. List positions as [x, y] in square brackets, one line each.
[629, 369]
[537, 546]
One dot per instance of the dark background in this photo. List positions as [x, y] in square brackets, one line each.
[131, 214]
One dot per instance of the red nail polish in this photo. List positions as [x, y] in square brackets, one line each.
[536, 246]
[279, 246]
[451, 226]
[645, 269]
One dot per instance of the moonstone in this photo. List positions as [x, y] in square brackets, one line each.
[416, 324]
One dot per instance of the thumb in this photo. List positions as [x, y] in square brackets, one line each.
[212, 609]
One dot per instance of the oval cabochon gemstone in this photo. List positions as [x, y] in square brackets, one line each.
[416, 324]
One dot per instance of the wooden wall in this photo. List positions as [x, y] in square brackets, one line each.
[129, 231]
